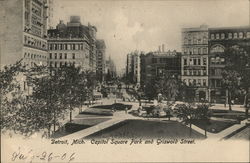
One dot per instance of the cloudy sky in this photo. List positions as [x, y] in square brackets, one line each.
[127, 25]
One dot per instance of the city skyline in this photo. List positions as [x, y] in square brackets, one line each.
[127, 26]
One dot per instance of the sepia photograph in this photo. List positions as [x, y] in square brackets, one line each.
[125, 81]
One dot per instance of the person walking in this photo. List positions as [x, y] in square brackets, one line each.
[126, 110]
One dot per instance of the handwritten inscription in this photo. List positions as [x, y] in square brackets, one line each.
[31, 156]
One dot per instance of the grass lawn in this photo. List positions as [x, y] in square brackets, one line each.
[99, 112]
[77, 125]
[116, 106]
[214, 126]
[146, 129]
[236, 115]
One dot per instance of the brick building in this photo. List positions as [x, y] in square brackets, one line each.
[155, 64]
[221, 39]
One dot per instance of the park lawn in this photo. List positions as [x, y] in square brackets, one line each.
[214, 126]
[146, 129]
[116, 106]
[88, 116]
[77, 125]
[225, 111]
[227, 114]
[99, 112]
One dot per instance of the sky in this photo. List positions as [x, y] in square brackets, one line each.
[143, 25]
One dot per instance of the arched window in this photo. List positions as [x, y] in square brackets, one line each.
[240, 35]
[248, 34]
[212, 36]
[230, 35]
[235, 35]
[217, 49]
[222, 36]
[217, 36]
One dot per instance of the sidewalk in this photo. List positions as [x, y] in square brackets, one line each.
[221, 135]
[234, 107]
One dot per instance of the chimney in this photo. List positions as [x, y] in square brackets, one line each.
[163, 48]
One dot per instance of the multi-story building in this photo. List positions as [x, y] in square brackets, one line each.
[24, 31]
[24, 34]
[101, 48]
[194, 61]
[110, 68]
[50, 14]
[221, 39]
[156, 64]
[72, 44]
[133, 67]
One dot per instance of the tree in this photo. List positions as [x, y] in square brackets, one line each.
[187, 113]
[230, 83]
[168, 86]
[46, 86]
[234, 72]
[150, 90]
[203, 115]
[9, 88]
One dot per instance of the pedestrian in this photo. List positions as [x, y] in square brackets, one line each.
[126, 110]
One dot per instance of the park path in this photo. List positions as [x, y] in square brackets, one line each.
[117, 118]
[221, 135]
[120, 116]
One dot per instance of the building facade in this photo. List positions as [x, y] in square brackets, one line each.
[101, 59]
[133, 68]
[72, 44]
[194, 61]
[220, 39]
[156, 64]
[24, 32]
[24, 35]
[110, 69]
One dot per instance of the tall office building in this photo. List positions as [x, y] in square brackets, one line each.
[101, 61]
[24, 31]
[194, 65]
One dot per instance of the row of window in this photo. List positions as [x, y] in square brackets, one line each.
[229, 35]
[36, 31]
[32, 64]
[195, 82]
[60, 64]
[194, 61]
[195, 40]
[35, 42]
[195, 72]
[217, 60]
[34, 56]
[61, 56]
[36, 10]
[74, 46]
[195, 51]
